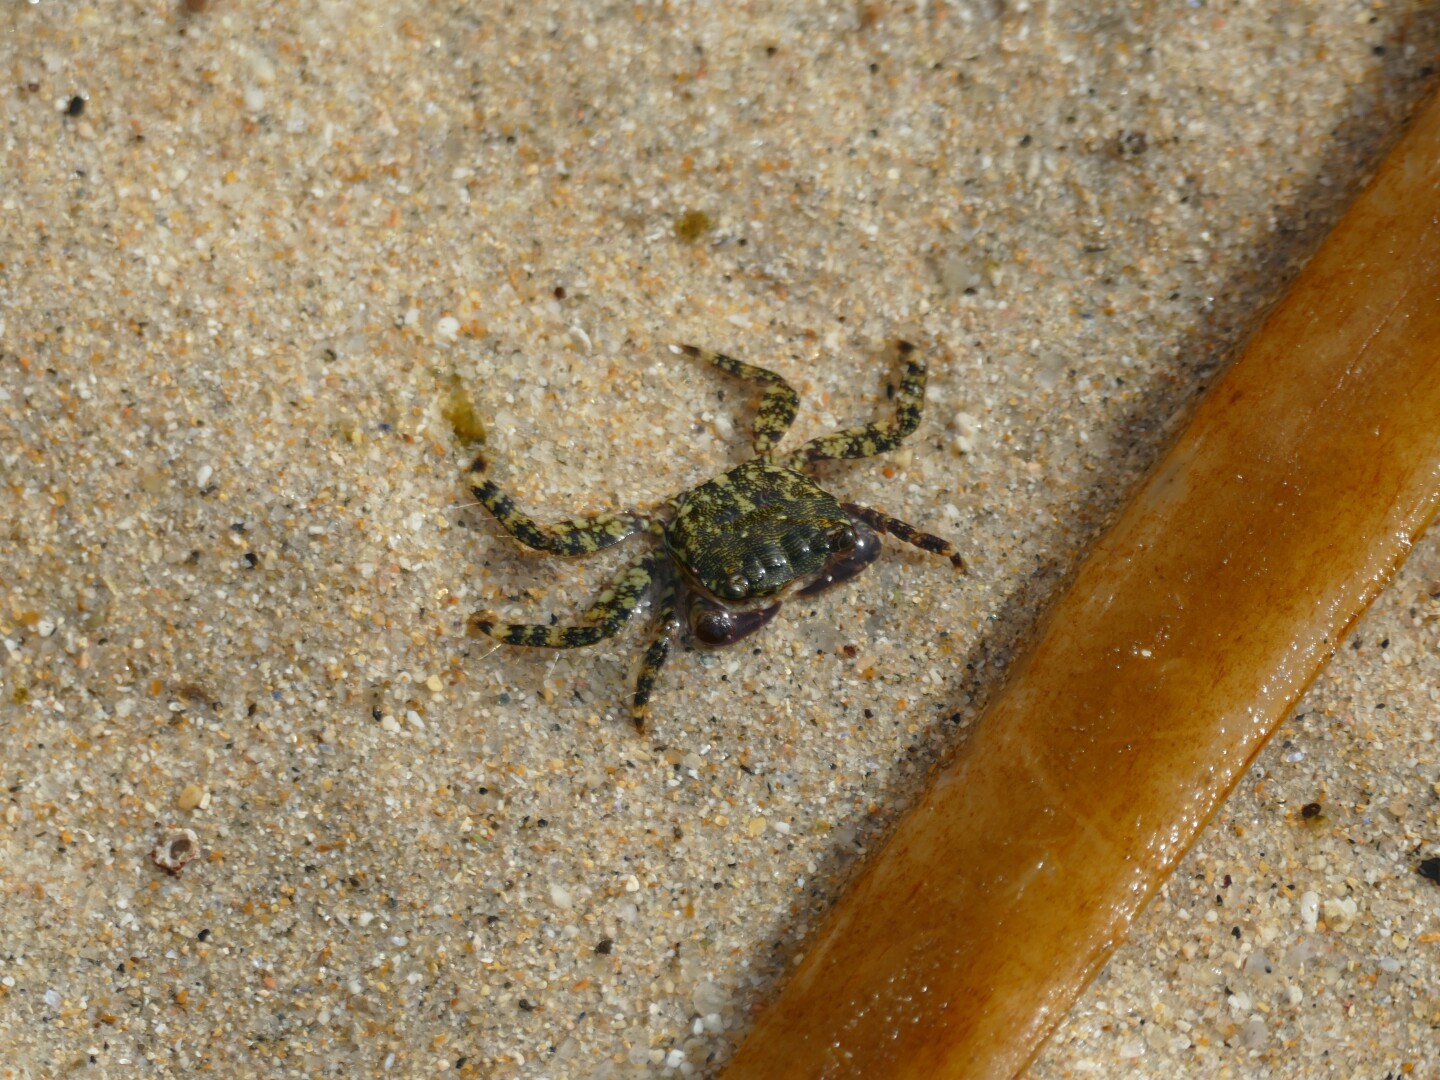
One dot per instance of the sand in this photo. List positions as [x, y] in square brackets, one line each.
[268, 271]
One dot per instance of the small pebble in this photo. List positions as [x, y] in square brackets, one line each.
[1254, 1034]
[1309, 909]
[1340, 913]
[709, 997]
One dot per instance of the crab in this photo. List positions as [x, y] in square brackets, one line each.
[724, 556]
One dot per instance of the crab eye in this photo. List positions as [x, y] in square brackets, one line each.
[736, 587]
[843, 538]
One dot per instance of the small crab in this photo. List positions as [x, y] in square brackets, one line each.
[726, 554]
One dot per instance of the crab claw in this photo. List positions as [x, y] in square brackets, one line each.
[711, 624]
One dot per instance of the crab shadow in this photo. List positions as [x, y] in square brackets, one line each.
[1140, 438]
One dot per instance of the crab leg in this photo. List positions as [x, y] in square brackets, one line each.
[607, 616]
[578, 536]
[874, 438]
[882, 522]
[777, 407]
[667, 625]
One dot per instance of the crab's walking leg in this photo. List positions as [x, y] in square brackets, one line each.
[880, 436]
[777, 406]
[610, 612]
[882, 522]
[667, 625]
[578, 536]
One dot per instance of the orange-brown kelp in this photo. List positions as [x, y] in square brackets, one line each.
[1188, 633]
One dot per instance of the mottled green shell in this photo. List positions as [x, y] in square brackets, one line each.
[751, 532]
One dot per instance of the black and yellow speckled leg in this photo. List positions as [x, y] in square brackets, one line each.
[667, 625]
[777, 406]
[882, 522]
[880, 436]
[610, 612]
[578, 536]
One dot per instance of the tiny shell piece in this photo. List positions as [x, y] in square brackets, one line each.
[175, 848]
